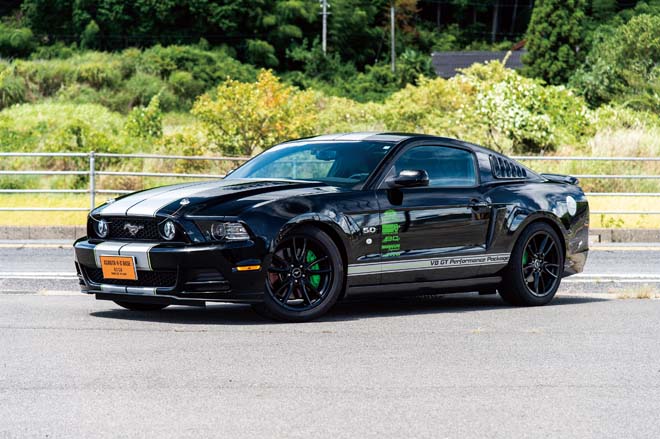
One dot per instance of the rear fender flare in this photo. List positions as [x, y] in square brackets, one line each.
[519, 219]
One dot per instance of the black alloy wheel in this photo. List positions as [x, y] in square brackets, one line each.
[305, 277]
[535, 267]
[540, 264]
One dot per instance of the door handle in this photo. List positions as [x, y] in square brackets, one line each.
[479, 204]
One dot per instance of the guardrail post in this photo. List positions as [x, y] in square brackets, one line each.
[92, 181]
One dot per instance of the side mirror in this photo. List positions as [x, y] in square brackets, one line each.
[410, 178]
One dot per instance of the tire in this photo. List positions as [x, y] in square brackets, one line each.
[305, 279]
[535, 267]
[133, 306]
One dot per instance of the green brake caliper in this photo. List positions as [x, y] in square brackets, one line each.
[524, 258]
[314, 279]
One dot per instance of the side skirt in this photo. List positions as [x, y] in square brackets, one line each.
[423, 288]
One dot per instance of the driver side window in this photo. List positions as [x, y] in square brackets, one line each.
[447, 167]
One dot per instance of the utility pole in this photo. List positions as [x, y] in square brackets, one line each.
[392, 36]
[324, 31]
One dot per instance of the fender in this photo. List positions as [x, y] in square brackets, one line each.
[343, 226]
[520, 218]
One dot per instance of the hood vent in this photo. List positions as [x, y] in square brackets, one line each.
[506, 169]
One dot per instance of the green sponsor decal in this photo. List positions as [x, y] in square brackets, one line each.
[390, 229]
[391, 247]
[389, 215]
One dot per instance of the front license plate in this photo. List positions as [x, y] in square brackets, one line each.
[118, 267]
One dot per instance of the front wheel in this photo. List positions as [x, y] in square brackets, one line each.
[535, 268]
[305, 278]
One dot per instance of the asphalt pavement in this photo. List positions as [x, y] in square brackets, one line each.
[460, 366]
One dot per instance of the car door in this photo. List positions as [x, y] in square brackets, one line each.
[435, 232]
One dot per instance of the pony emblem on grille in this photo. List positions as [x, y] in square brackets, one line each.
[133, 229]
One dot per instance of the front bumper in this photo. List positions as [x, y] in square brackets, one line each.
[175, 273]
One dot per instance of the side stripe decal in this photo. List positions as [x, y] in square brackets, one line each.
[427, 264]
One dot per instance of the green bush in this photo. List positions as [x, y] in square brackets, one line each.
[554, 37]
[622, 65]
[12, 88]
[89, 39]
[185, 86]
[260, 53]
[16, 42]
[139, 90]
[62, 127]
[146, 122]
[243, 118]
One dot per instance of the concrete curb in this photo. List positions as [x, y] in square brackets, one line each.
[624, 235]
[42, 232]
[74, 232]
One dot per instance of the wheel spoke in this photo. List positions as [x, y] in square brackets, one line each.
[321, 271]
[304, 293]
[542, 283]
[552, 244]
[543, 244]
[536, 282]
[303, 251]
[285, 299]
[317, 261]
[282, 287]
[312, 288]
[532, 246]
[279, 260]
[296, 258]
[550, 272]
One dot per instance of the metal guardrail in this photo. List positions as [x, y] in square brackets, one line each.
[92, 172]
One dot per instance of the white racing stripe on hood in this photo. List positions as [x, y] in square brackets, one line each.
[151, 205]
[120, 207]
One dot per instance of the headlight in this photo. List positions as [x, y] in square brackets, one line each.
[235, 232]
[102, 228]
[169, 230]
[216, 231]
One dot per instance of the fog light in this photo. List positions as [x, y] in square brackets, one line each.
[102, 228]
[169, 230]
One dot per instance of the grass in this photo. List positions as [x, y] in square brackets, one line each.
[82, 200]
[642, 292]
[625, 221]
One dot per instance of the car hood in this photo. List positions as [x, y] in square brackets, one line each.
[168, 199]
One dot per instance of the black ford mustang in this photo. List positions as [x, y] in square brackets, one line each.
[314, 221]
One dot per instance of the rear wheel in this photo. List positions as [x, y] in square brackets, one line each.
[141, 306]
[305, 278]
[535, 268]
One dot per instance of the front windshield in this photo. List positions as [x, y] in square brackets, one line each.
[340, 163]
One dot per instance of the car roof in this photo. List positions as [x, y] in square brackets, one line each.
[393, 137]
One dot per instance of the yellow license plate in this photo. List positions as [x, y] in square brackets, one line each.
[118, 267]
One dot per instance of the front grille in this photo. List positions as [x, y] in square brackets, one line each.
[160, 279]
[146, 229]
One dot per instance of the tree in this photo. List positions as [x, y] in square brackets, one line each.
[554, 37]
[623, 66]
[244, 118]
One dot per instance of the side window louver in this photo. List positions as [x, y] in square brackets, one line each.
[503, 168]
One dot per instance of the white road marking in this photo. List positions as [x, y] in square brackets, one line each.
[37, 275]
